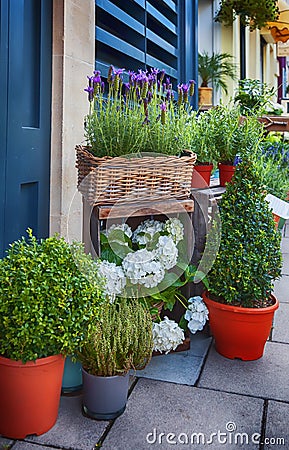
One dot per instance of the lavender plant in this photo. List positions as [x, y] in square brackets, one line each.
[141, 115]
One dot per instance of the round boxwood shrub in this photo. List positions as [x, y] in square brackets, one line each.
[46, 303]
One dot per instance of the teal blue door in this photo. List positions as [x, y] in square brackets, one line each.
[25, 110]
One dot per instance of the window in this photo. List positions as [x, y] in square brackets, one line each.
[147, 33]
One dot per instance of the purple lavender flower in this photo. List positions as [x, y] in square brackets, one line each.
[149, 96]
[90, 91]
[163, 107]
[185, 89]
[154, 71]
[169, 95]
[162, 75]
[110, 72]
[237, 160]
[180, 94]
[191, 87]
[118, 71]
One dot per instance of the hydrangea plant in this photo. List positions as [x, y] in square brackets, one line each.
[146, 264]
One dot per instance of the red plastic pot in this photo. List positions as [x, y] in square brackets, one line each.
[202, 175]
[240, 332]
[276, 220]
[29, 395]
[226, 172]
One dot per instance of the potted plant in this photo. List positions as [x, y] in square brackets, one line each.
[203, 126]
[119, 340]
[235, 137]
[240, 300]
[214, 69]
[253, 97]
[255, 14]
[45, 306]
[135, 132]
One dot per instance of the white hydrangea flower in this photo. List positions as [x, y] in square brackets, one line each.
[122, 227]
[167, 252]
[167, 335]
[114, 277]
[142, 267]
[197, 314]
[146, 230]
[175, 229]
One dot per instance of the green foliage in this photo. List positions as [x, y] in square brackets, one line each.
[45, 301]
[138, 116]
[119, 340]
[225, 134]
[203, 128]
[253, 96]
[216, 69]
[273, 160]
[253, 13]
[249, 257]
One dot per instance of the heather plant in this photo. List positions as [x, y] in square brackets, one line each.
[140, 115]
[119, 340]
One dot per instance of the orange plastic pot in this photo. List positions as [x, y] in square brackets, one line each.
[240, 332]
[29, 395]
[202, 175]
[226, 172]
[276, 220]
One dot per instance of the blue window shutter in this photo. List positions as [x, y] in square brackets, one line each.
[135, 34]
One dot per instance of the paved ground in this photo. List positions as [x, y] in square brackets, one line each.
[197, 396]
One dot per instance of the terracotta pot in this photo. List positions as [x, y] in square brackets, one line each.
[104, 398]
[276, 220]
[205, 96]
[202, 175]
[30, 395]
[226, 172]
[240, 332]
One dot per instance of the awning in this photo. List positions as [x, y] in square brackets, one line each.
[280, 28]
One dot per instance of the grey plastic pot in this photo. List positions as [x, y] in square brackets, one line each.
[104, 398]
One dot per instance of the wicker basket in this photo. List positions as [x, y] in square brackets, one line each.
[108, 180]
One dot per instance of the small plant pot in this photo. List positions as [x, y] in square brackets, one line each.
[240, 332]
[104, 398]
[29, 395]
[72, 376]
[276, 220]
[202, 175]
[226, 172]
[205, 96]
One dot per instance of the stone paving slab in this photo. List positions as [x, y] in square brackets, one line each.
[285, 244]
[277, 432]
[20, 445]
[72, 430]
[155, 407]
[280, 331]
[4, 443]
[266, 377]
[180, 367]
[281, 289]
[285, 265]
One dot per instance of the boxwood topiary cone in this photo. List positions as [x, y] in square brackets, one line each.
[249, 257]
